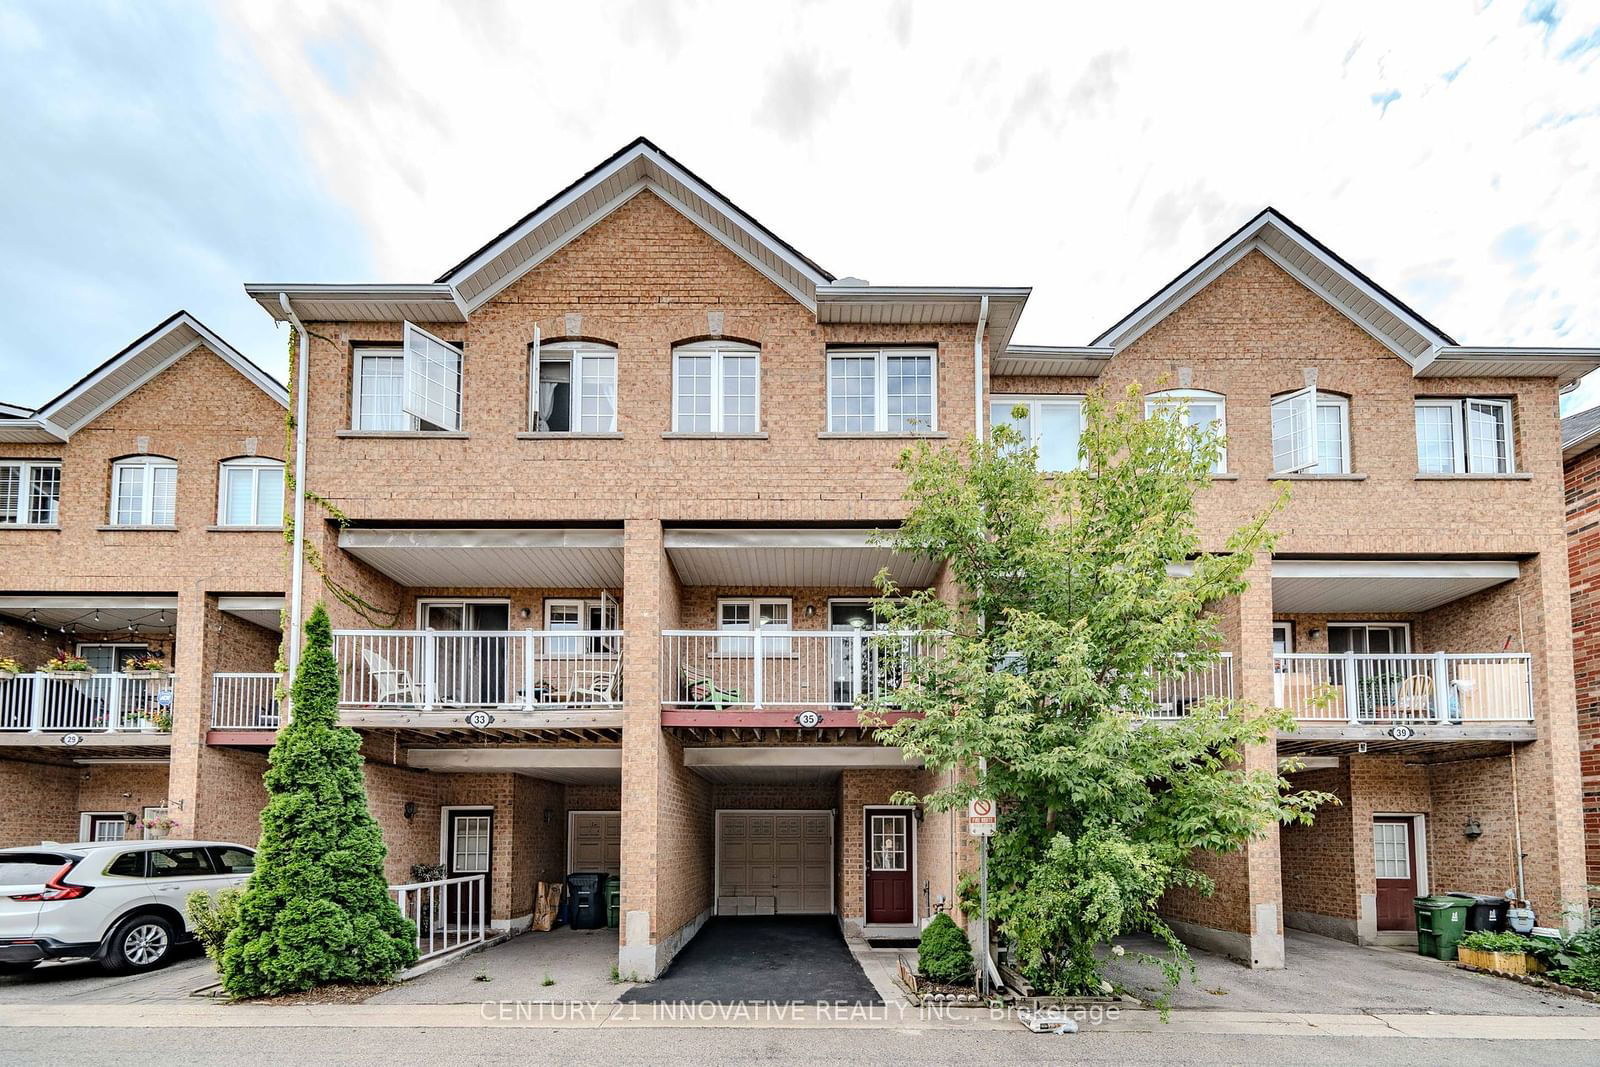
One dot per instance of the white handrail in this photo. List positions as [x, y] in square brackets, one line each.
[85, 702]
[244, 700]
[527, 669]
[1442, 688]
[450, 913]
[769, 667]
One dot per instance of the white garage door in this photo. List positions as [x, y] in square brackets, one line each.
[594, 841]
[774, 862]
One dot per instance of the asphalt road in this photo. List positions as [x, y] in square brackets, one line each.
[459, 1047]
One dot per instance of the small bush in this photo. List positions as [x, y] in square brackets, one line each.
[944, 955]
[1484, 941]
[211, 920]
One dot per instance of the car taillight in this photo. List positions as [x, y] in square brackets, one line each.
[57, 889]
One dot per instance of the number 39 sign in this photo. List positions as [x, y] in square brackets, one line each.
[980, 816]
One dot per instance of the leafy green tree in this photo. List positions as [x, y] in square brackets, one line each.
[1078, 593]
[317, 909]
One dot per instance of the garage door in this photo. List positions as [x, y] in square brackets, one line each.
[595, 841]
[774, 862]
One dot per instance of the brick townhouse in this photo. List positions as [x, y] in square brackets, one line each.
[592, 515]
[1580, 447]
[140, 517]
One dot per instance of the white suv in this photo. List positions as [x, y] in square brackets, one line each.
[119, 902]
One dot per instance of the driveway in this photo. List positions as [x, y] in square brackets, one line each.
[779, 959]
[563, 965]
[83, 982]
[1327, 976]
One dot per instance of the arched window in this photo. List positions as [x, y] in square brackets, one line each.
[573, 387]
[250, 492]
[1310, 433]
[716, 388]
[144, 491]
[1205, 411]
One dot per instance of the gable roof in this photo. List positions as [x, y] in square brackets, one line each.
[147, 356]
[636, 167]
[1580, 432]
[1382, 314]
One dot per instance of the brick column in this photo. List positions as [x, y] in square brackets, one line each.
[191, 704]
[1254, 685]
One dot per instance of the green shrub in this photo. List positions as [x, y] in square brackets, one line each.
[212, 920]
[317, 909]
[1484, 941]
[943, 955]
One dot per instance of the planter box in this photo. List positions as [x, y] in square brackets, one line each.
[68, 674]
[1500, 962]
[145, 674]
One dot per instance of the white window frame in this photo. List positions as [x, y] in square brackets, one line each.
[1318, 401]
[717, 350]
[734, 645]
[1036, 403]
[144, 467]
[376, 351]
[87, 819]
[1370, 624]
[26, 471]
[428, 394]
[255, 465]
[578, 354]
[1459, 408]
[605, 606]
[116, 650]
[1173, 398]
[880, 408]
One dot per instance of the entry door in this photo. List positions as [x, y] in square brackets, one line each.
[470, 670]
[596, 842]
[890, 896]
[468, 834]
[1394, 855]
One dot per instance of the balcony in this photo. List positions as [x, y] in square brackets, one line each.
[528, 678]
[88, 708]
[244, 701]
[1426, 697]
[1175, 694]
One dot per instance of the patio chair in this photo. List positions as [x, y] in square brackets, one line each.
[1413, 698]
[594, 687]
[393, 684]
[700, 688]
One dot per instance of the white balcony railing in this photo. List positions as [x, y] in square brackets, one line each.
[429, 669]
[86, 703]
[787, 668]
[1439, 687]
[449, 913]
[244, 701]
[1176, 693]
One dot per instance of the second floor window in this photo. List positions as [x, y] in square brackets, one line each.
[1206, 412]
[30, 493]
[1051, 424]
[144, 491]
[1310, 433]
[250, 493]
[716, 388]
[891, 390]
[574, 388]
[414, 387]
[1464, 436]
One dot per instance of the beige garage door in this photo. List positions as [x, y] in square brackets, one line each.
[595, 842]
[774, 862]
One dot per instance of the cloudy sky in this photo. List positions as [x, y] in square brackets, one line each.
[159, 154]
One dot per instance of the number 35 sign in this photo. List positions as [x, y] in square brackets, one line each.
[980, 816]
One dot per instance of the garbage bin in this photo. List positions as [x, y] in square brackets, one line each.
[1441, 922]
[1484, 912]
[586, 892]
[613, 903]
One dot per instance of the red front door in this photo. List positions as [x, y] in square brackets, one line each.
[1394, 857]
[889, 889]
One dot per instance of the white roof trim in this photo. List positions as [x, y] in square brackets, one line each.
[363, 537]
[24, 604]
[735, 538]
[1269, 232]
[1566, 365]
[1504, 570]
[1059, 361]
[823, 756]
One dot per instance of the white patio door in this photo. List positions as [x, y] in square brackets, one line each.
[469, 670]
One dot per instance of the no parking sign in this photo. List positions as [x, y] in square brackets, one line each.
[980, 816]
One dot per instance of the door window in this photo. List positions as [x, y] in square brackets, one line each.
[888, 842]
[1391, 850]
[181, 863]
[234, 860]
[1282, 638]
[469, 844]
[112, 826]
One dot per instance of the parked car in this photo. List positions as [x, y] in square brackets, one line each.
[118, 902]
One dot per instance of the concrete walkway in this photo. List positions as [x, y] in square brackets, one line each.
[84, 982]
[561, 965]
[1335, 977]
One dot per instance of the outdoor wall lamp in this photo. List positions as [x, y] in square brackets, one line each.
[1473, 829]
[410, 810]
[547, 814]
[918, 812]
[1313, 633]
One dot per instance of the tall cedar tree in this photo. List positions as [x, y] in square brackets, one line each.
[1079, 592]
[317, 909]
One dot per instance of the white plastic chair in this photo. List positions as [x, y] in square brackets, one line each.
[393, 684]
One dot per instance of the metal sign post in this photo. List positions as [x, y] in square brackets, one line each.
[981, 821]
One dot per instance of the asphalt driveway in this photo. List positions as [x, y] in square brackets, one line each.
[780, 959]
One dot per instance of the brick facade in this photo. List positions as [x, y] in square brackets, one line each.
[1583, 554]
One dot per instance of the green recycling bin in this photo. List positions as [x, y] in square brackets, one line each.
[1441, 924]
[613, 903]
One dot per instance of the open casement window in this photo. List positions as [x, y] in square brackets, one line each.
[573, 387]
[744, 614]
[433, 380]
[1204, 411]
[1465, 436]
[1310, 433]
[250, 492]
[144, 491]
[580, 617]
[716, 388]
[30, 493]
[1051, 424]
[890, 390]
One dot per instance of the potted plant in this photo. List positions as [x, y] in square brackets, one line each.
[1503, 953]
[9, 668]
[66, 664]
[156, 722]
[145, 667]
[158, 826]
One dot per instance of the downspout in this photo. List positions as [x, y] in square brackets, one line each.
[977, 366]
[297, 543]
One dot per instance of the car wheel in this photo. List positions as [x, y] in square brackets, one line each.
[140, 943]
[18, 968]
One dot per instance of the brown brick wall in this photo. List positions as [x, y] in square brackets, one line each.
[857, 789]
[1583, 560]
[1318, 860]
[41, 803]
